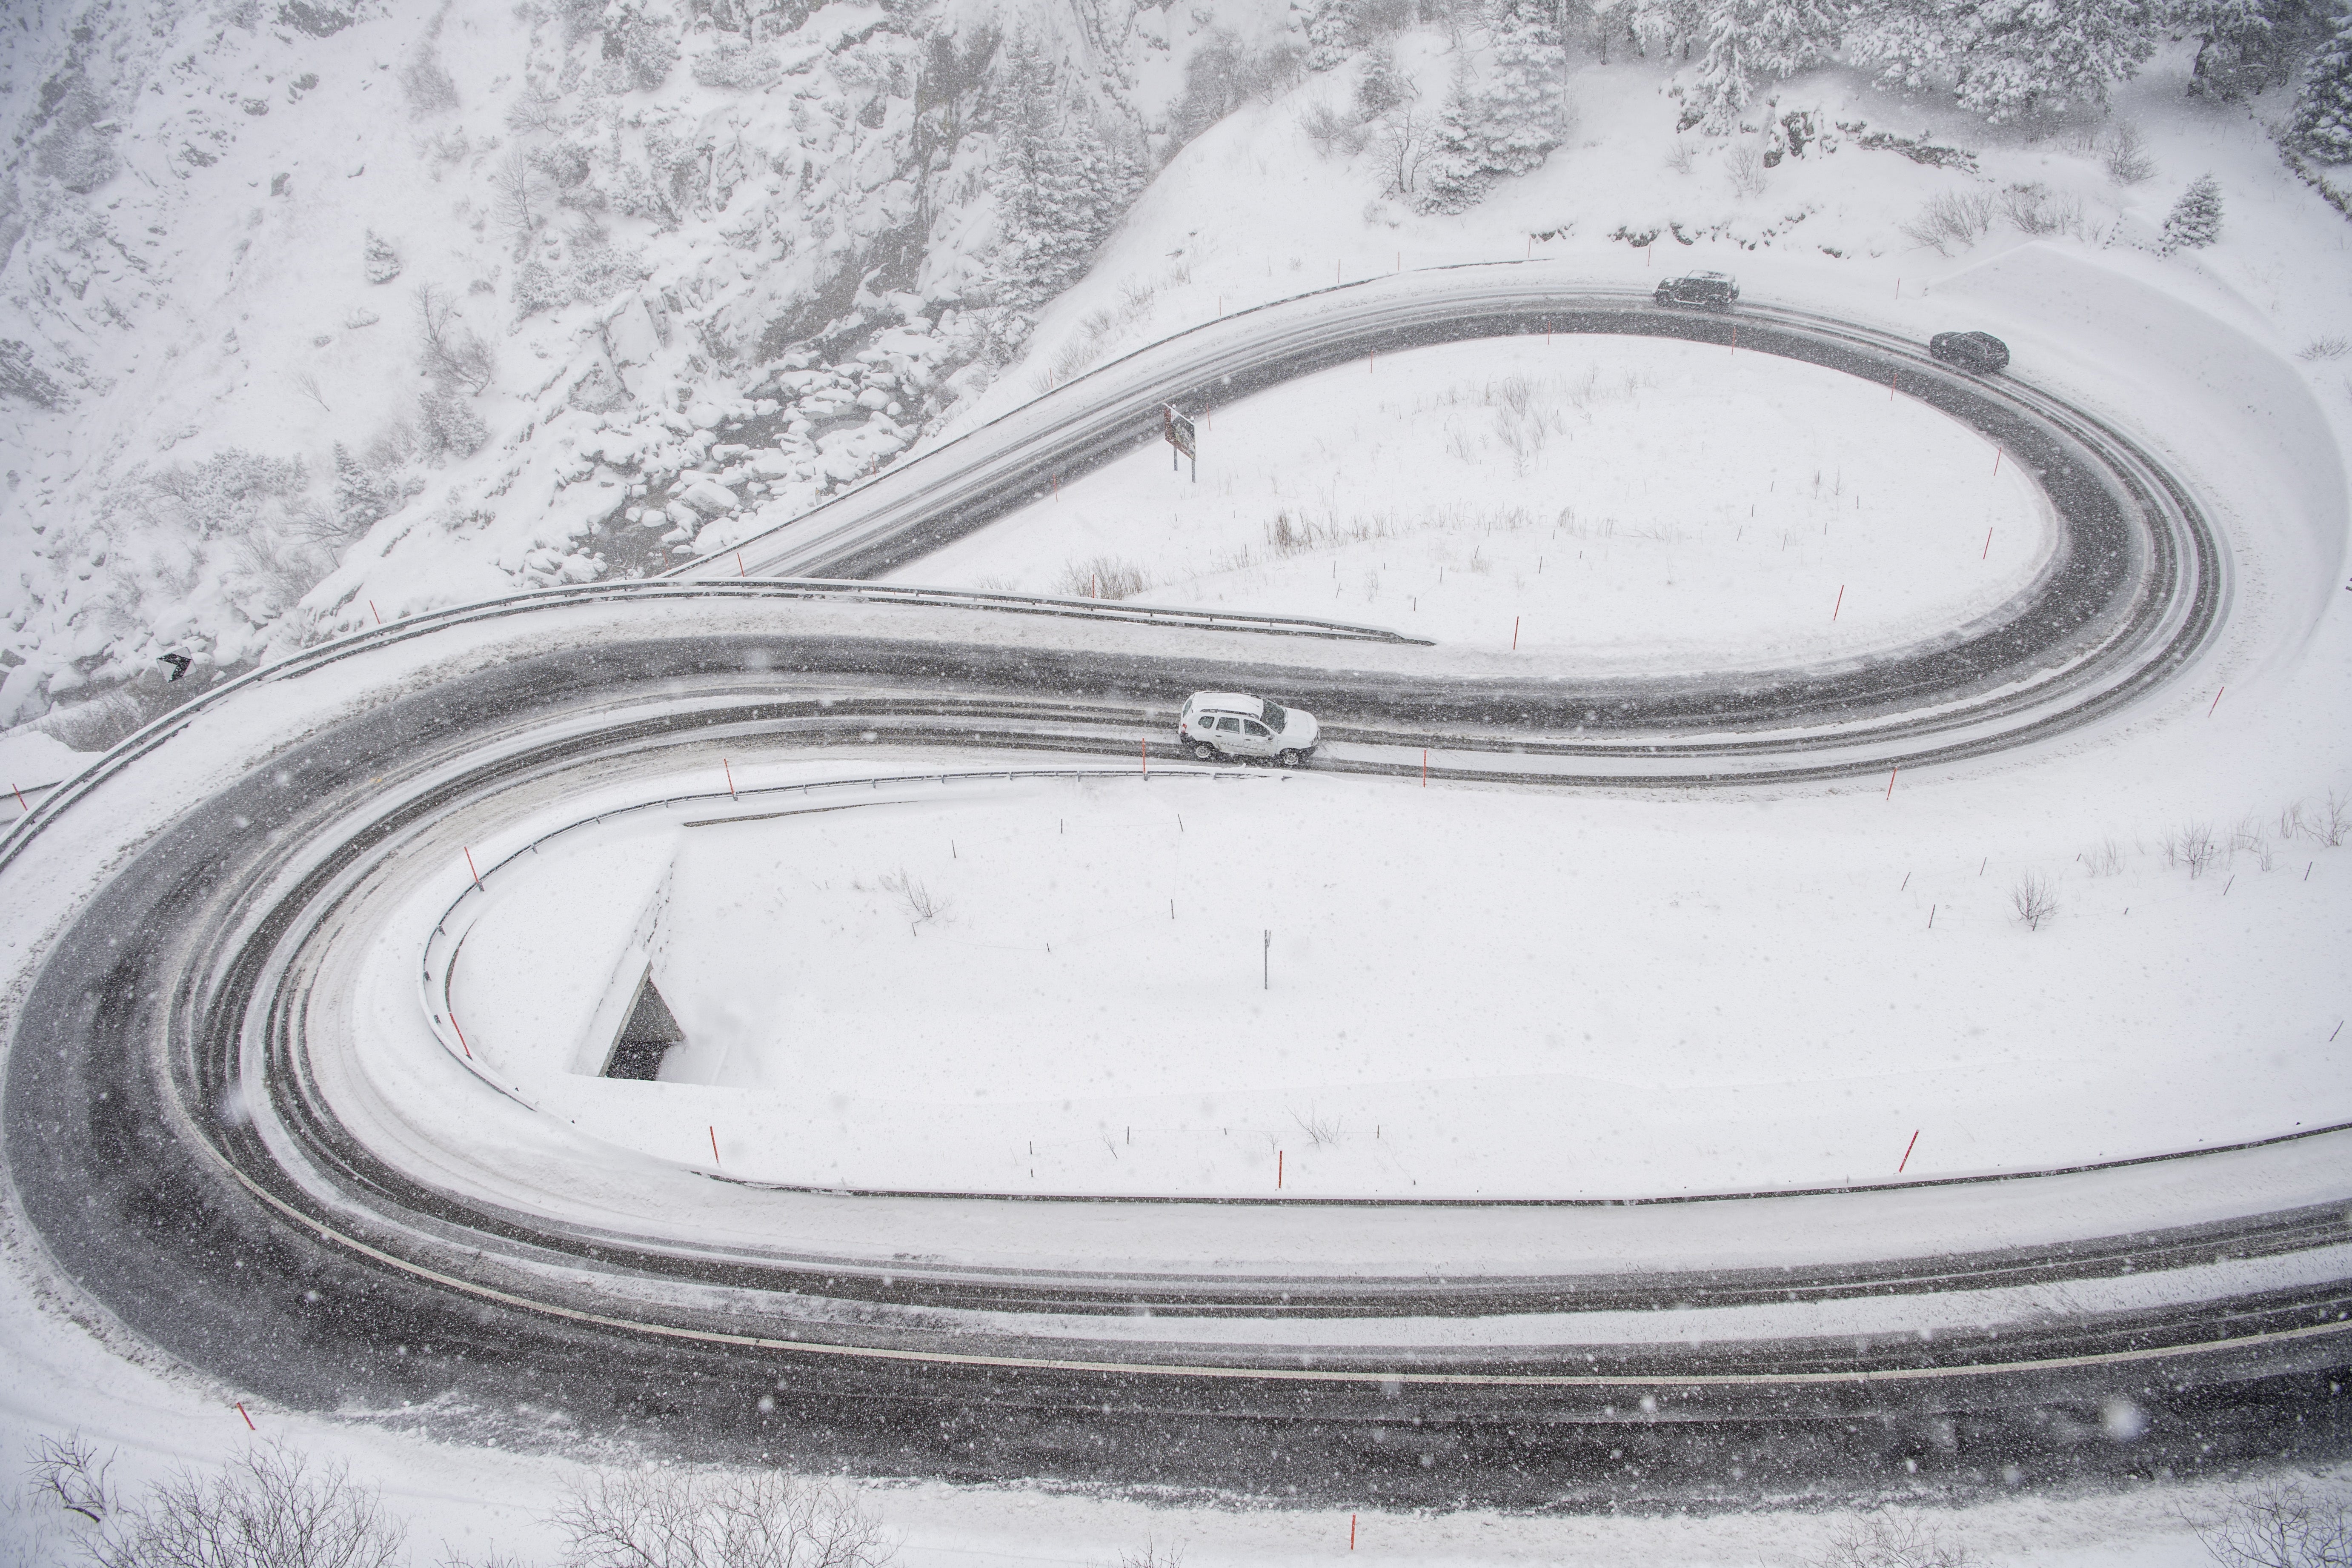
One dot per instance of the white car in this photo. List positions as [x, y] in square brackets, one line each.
[1229, 724]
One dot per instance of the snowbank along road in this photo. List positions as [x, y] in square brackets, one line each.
[234, 1137]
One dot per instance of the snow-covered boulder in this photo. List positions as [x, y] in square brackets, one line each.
[707, 497]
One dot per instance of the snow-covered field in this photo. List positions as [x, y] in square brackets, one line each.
[1654, 504]
[1048, 987]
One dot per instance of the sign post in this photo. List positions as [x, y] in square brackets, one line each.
[1182, 440]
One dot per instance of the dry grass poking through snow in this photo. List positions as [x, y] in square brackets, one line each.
[2255, 843]
[1101, 329]
[1891, 1540]
[1529, 411]
[2255, 846]
[921, 906]
[1102, 578]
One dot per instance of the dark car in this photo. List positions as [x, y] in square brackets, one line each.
[1979, 352]
[1700, 291]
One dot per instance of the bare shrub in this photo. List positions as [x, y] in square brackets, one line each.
[1679, 160]
[2248, 839]
[1887, 1541]
[2106, 860]
[519, 200]
[2192, 848]
[923, 906]
[1151, 1554]
[265, 1509]
[2279, 1526]
[1225, 72]
[452, 352]
[1101, 327]
[1332, 133]
[735, 64]
[2031, 209]
[1746, 164]
[1404, 145]
[2318, 349]
[96, 724]
[1103, 577]
[427, 83]
[1287, 536]
[68, 1470]
[2124, 152]
[1319, 1129]
[536, 108]
[2034, 899]
[669, 1519]
[1954, 218]
[278, 570]
[230, 494]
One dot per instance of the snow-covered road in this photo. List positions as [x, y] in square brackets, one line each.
[223, 1137]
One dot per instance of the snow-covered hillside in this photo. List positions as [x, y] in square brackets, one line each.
[320, 313]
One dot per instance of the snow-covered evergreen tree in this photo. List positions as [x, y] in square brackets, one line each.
[2234, 45]
[1455, 176]
[2005, 59]
[1522, 113]
[1750, 41]
[1380, 87]
[1063, 180]
[2246, 47]
[2322, 126]
[1333, 34]
[380, 260]
[1668, 29]
[2195, 221]
[360, 501]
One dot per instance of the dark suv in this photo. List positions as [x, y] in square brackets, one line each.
[1700, 291]
[1979, 352]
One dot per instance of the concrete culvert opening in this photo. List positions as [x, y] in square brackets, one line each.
[646, 1037]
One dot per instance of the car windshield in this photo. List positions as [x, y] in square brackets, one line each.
[1275, 718]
